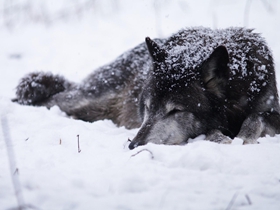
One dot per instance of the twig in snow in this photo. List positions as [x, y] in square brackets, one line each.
[79, 150]
[12, 163]
[16, 171]
[142, 150]
[60, 141]
[232, 201]
[248, 199]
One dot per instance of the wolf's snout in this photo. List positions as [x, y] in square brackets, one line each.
[137, 141]
[142, 136]
[132, 145]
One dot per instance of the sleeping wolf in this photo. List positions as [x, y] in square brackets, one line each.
[220, 83]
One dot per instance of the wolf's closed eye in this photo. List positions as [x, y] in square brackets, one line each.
[174, 111]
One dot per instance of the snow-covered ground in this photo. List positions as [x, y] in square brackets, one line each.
[106, 174]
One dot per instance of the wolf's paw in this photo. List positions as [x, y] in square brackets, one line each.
[36, 87]
[226, 140]
[218, 137]
[250, 141]
[240, 141]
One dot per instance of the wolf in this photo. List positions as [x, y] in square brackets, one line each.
[220, 83]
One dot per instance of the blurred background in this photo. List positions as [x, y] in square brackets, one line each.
[73, 37]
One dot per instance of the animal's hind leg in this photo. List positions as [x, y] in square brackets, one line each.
[78, 105]
[35, 88]
[258, 125]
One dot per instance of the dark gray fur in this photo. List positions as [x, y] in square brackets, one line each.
[199, 81]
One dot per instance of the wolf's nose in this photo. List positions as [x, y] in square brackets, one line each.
[132, 145]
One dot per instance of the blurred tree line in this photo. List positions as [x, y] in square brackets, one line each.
[16, 12]
[22, 12]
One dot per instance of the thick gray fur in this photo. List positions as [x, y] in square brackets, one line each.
[198, 81]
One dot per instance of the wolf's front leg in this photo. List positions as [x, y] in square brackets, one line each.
[258, 125]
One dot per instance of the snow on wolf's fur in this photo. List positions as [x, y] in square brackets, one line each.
[228, 72]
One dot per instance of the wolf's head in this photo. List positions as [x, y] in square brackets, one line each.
[178, 101]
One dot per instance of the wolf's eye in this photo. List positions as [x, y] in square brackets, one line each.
[174, 111]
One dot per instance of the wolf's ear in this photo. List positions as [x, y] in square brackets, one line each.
[157, 54]
[215, 71]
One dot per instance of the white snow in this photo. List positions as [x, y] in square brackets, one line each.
[106, 174]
